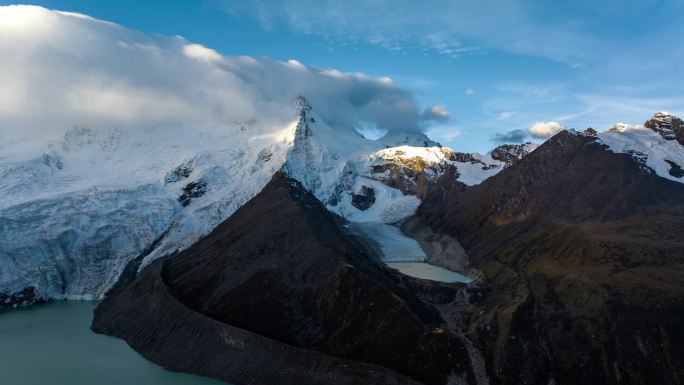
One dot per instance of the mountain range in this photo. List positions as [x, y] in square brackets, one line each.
[267, 251]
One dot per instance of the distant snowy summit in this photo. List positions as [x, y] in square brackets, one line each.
[657, 145]
[668, 126]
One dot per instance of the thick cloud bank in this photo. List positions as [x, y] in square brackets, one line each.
[61, 70]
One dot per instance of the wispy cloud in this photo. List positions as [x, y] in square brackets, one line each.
[543, 110]
[577, 63]
[447, 27]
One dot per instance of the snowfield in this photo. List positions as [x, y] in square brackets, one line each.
[79, 212]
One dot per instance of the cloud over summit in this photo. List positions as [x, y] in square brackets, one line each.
[543, 130]
[64, 69]
[539, 130]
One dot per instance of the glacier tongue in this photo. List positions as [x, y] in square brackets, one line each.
[77, 244]
[394, 245]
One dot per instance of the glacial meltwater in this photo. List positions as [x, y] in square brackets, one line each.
[53, 344]
[427, 271]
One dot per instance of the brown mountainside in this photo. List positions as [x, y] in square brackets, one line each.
[584, 251]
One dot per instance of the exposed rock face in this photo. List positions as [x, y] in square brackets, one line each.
[668, 126]
[412, 169]
[410, 172]
[590, 132]
[675, 169]
[281, 289]
[28, 296]
[583, 250]
[511, 153]
[364, 199]
[191, 191]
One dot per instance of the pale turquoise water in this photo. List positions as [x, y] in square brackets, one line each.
[426, 271]
[53, 345]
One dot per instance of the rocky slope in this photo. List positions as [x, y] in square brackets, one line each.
[300, 301]
[582, 248]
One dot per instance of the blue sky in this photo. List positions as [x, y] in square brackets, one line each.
[498, 67]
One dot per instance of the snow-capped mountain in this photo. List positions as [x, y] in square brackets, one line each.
[658, 144]
[79, 211]
[153, 141]
[109, 176]
[668, 126]
[76, 214]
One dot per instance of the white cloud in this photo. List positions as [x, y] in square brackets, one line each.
[59, 70]
[469, 91]
[201, 53]
[437, 113]
[296, 64]
[545, 129]
[505, 115]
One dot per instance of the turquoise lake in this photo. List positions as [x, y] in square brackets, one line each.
[52, 344]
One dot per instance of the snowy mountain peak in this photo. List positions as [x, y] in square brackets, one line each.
[302, 107]
[620, 127]
[590, 131]
[303, 112]
[657, 145]
[668, 126]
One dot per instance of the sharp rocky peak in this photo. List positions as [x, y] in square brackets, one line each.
[303, 111]
[302, 106]
[668, 126]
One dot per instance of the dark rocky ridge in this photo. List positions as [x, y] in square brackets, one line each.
[280, 293]
[584, 251]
